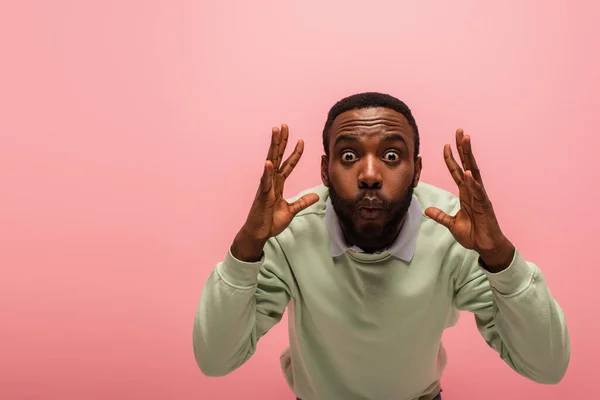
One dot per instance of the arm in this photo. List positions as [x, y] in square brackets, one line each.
[513, 307]
[246, 294]
[517, 316]
[240, 302]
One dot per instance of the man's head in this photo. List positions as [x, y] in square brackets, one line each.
[371, 166]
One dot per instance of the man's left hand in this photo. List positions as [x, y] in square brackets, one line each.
[475, 225]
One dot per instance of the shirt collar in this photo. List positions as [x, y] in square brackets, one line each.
[404, 245]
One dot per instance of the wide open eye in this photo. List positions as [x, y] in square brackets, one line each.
[349, 156]
[391, 156]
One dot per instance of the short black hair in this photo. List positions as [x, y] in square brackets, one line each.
[369, 100]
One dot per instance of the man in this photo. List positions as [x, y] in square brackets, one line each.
[372, 267]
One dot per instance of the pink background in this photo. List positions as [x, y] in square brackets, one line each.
[133, 135]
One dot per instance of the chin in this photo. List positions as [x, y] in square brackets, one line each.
[369, 235]
[369, 229]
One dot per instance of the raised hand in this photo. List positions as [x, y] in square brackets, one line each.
[270, 213]
[475, 225]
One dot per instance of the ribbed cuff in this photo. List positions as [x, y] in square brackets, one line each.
[239, 273]
[514, 279]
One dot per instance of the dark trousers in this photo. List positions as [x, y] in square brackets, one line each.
[438, 397]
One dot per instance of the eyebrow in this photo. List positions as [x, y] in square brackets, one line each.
[388, 137]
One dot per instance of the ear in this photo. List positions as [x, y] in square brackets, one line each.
[418, 169]
[324, 170]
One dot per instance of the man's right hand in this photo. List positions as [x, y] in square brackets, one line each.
[270, 213]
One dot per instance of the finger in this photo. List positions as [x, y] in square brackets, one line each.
[440, 217]
[472, 164]
[459, 147]
[278, 182]
[282, 145]
[475, 188]
[453, 167]
[292, 161]
[273, 148]
[303, 202]
[266, 181]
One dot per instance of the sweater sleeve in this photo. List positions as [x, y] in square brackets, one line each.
[239, 303]
[517, 316]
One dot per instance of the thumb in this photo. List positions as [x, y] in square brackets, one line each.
[439, 216]
[303, 202]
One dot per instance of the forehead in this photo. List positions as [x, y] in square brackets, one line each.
[376, 120]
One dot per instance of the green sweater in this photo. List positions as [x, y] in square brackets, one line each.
[369, 326]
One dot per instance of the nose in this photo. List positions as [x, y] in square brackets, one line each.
[369, 176]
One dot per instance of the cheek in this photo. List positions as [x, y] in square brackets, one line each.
[344, 180]
[396, 183]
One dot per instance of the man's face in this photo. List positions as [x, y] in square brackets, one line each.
[371, 173]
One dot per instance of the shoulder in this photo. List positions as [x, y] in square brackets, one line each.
[435, 240]
[433, 196]
[427, 194]
[309, 224]
[319, 207]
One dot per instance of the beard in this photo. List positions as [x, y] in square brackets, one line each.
[376, 235]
